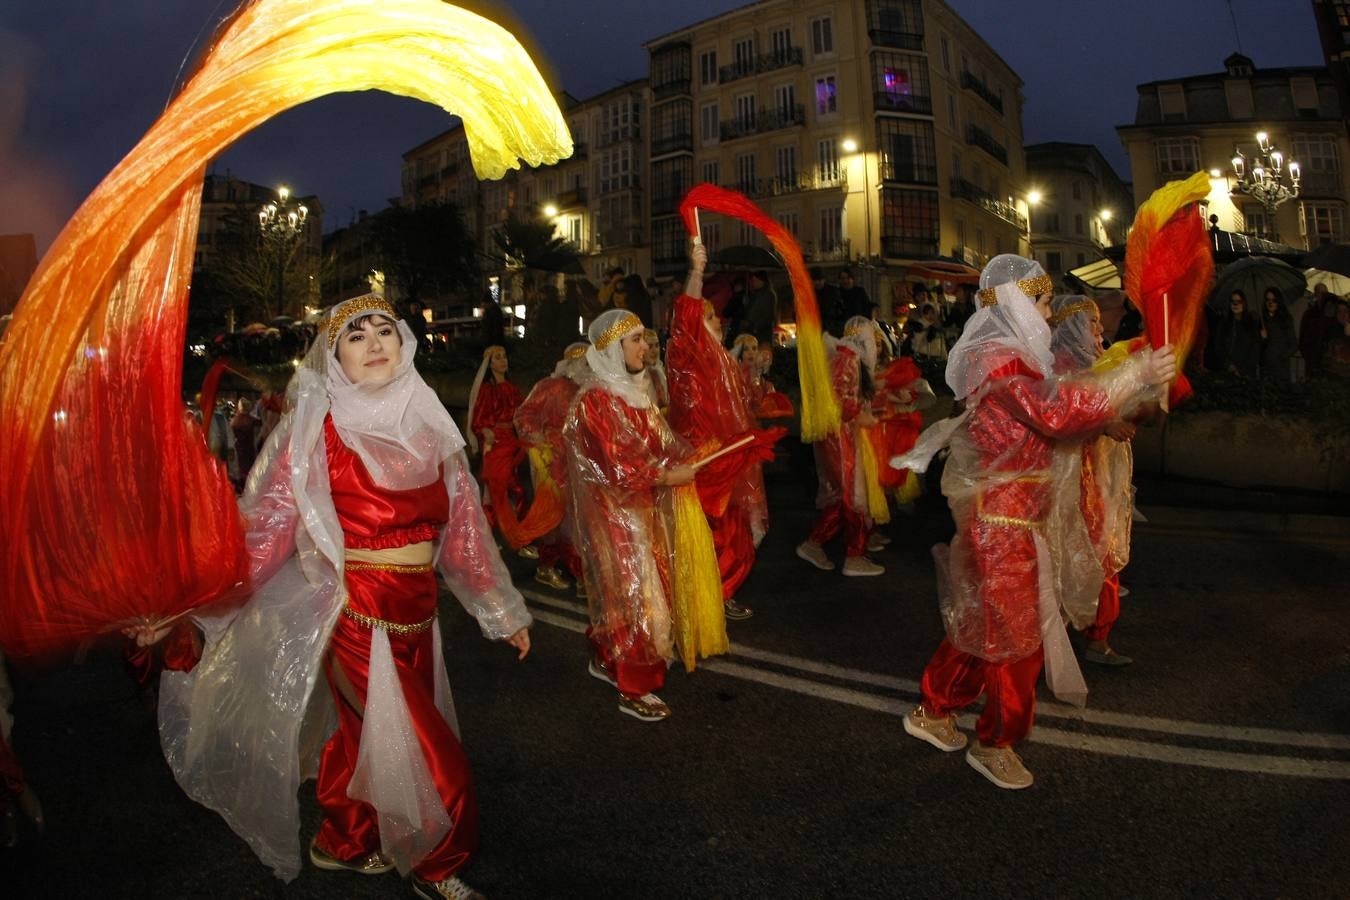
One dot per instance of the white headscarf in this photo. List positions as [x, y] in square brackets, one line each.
[860, 336]
[398, 427]
[744, 342]
[1007, 320]
[573, 365]
[1071, 323]
[605, 356]
[477, 386]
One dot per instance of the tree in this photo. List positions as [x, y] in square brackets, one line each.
[530, 243]
[426, 252]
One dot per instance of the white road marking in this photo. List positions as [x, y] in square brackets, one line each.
[1112, 746]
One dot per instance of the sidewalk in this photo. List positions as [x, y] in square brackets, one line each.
[1175, 503]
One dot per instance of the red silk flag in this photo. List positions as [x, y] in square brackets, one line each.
[820, 409]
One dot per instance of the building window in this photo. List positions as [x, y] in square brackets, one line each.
[1052, 223]
[707, 67]
[822, 36]
[1077, 191]
[1316, 153]
[907, 151]
[952, 119]
[745, 112]
[1053, 263]
[787, 165]
[1172, 100]
[1078, 223]
[831, 218]
[712, 236]
[785, 99]
[900, 83]
[1081, 260]
[743, 54]
[826, 101]
[946, 54]
[827, 160]
[1178, 156]
[745, 172]
[711, 175]
[790, 222]
[1324, 223]
[782, 42]
[909, 222]
[708, 123]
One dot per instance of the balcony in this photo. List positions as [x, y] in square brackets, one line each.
[978, 137]
[840, 251]
[619, 237]
[964, 190]
[569, 199]
[765, 62]
[893, 247]
[579, 151]
[619, 135]
[667, 203]
[673, 144]
[981, 90]
[888, 101]
[766, 120]
[781, 186]
[674, 87]
[901, 40]
[906, 171]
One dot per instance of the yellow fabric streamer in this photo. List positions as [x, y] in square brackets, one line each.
[1116, 354]
[700, 624]
[910, 491]
[819, 407]
[127, 252]
[877, 507]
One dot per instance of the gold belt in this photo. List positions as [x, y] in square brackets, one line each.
[1012, 521]
[391, 627]
[410, 559]
[397, 568]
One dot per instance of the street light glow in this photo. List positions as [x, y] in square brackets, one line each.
[550, 210]
[1033, 197]
[850, 145]
[1215, 173]
[1106, 215]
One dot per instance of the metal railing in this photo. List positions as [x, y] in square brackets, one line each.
[964, 190]
[675, 87]
[780, 185]
[894, 247]
[981, 90]
[907, 172]
[910, 103]
[765, 120]
[902, 40]
[978, 137]
[672, 143]
[765, 62]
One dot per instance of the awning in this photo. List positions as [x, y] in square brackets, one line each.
[945, 268]
[1100, 275]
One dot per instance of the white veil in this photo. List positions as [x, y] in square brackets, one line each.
[1072, 340]
[605, 356]
[1008, 320]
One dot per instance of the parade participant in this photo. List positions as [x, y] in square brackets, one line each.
[710, 407]
[656, 371]
[999, 601]
[901, 395]
[493, 401]
[621, 454]
[360, 496]
[839, 502]
[745, 351]
[539, 423]
[1106, 465]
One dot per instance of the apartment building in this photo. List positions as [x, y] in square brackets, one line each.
[225, 198]
[1082, 207]
[1184, 125]
[884, 133]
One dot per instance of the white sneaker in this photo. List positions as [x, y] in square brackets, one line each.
[815, 555]
[875, 544]
[861, 566]
[595, 670]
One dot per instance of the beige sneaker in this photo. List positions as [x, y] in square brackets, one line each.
[815, 555]
[647, 708]
[940, 731]
[1000, 765]
[861, 566]
[551, 577]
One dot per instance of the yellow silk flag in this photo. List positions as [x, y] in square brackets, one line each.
[108, 502]
[700, 623]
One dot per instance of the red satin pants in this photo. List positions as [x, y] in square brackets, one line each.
[635, 678]
[350, 827]
[953, 680]
[735, 547]
[1108, 610]
[557, 552]
[836, 516]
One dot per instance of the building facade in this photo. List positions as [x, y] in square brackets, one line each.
[225, 197]
[1082, 206]
[1185, 125]
[879, 132]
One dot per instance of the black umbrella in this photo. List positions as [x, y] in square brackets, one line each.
[1253, 276]
[282, 321]
[746, 256]
[1330, 258]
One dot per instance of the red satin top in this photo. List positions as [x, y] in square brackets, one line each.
[376, 518]
[493, 409]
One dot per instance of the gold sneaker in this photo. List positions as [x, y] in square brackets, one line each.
[940, 731]
[551, 577]
[374, 863]
[647, 708]
[1000, 765]
[451, 888]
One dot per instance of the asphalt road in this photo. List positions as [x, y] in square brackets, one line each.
[1217, 765]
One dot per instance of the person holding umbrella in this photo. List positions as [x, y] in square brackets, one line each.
[1277, 338]
[1236, 343]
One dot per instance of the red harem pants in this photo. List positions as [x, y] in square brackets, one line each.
[350, 827]
[953, 680]
[735, 546]
[1108, 610]
[635, 678]
[557, 552]
[838, 515]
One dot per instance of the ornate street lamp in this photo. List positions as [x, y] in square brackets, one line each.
[282, 222]
[1266, 178]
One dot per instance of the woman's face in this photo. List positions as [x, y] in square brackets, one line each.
[634, 352]
[1237, 304]
[370, 352]
[653, 354]
[1095, 328]
[1043, 304]
[714, 324]
[1271, 303]
[498, 363]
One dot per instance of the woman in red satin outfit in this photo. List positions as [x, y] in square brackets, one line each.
[997, 583]
[361, 494]
[493, 401]
[621, 453]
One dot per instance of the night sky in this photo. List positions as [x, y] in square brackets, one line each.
[82, 80]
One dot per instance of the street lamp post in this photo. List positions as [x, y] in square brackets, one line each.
[1266, 178]
[281, 222]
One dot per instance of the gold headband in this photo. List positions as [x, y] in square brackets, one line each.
[350, 309]
[854, 330]
[651, 336]
[617, 330]
[1032, 287]
[487, 354]
[747, 340]
[1064, 314]
[575, 353]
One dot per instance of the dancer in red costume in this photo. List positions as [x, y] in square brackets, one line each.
[539, 423]
[902, 394]
[493, 401]
[621, 454]
[998, 588]
[361, 494]
[841, 505]
[1106, 461]
[710, 407]
[656, 371]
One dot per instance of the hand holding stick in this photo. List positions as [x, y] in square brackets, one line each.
[749, 438]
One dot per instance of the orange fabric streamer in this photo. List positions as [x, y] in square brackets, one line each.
[111, 509]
